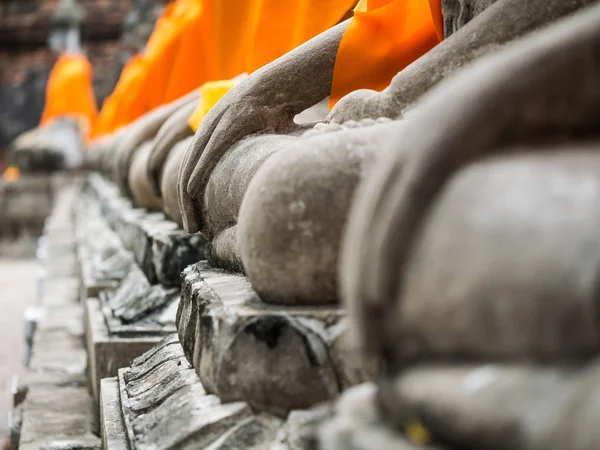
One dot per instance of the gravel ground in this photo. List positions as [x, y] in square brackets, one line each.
[17, 292]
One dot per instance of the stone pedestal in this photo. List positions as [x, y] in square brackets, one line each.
[159, 403]
[277, 358]
[108, 352]
[120, 254]
[160, 247]
[25, 204]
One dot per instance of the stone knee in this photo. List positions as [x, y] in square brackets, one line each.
[139, 182]
[293, 214]
[168, 180]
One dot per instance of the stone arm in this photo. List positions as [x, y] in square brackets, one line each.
[540, 89]
[266, 101]
[503, 21]
[175, 129]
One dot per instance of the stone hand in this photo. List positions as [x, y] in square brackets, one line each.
[266, 101]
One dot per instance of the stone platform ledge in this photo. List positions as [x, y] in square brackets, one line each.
[102, 258]
[161, 248]
[107, 353]
[159, 403]
[135, 306]
[52, 397]
[54, 407]
[108, 271]
[277, 358]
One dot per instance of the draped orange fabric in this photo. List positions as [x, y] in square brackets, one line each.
[69, 91]
[187, 71]
[279, 27]
[126, 103]
[228, 24]
[161, 51]
[163, 72]
[383, 38]
[199, 41]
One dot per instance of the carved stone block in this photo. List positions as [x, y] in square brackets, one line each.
[160, 247]
[108, 352]
[159, 403]
[277, 358]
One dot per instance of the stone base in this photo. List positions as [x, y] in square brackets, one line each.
[102, 259]
[125, 312]
[107, 352]
[277, 358]
[161, 248]
[53, 407]
[159, 403]
[90, 285]
[114, 435]
[137, 307]
[25, 204]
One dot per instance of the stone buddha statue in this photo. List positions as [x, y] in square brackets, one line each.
[125, 154]
[272, 200]
[129, 140]
[471, 268]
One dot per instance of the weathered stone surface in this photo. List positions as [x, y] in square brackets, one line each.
[58, 351]
[24, 206]
[15, 423]
[136, 305]
[103, 261]
[504, 406]
[161, 248]
[356, 423]
[252, 433]
[114, 436]
[108, 352]
[57, 411]
[163, 405]
[299, 432]
[276, 358]
[56, 418]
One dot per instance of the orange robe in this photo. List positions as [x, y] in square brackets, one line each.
[188, 69]
[280, 26]
[199, 41]
[383, 38]
[69, 92]
[161, 51]
[161, 73]
[244, 35]
[126, 103]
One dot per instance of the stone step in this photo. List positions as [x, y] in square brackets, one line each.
[53, 408]
[107, 352]
[57, 417]
[126, 312]
[160, 247]
[159, 403]
[277, 358]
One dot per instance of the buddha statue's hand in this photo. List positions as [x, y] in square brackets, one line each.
[247, 109]
[365, 104]
[266, 101]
